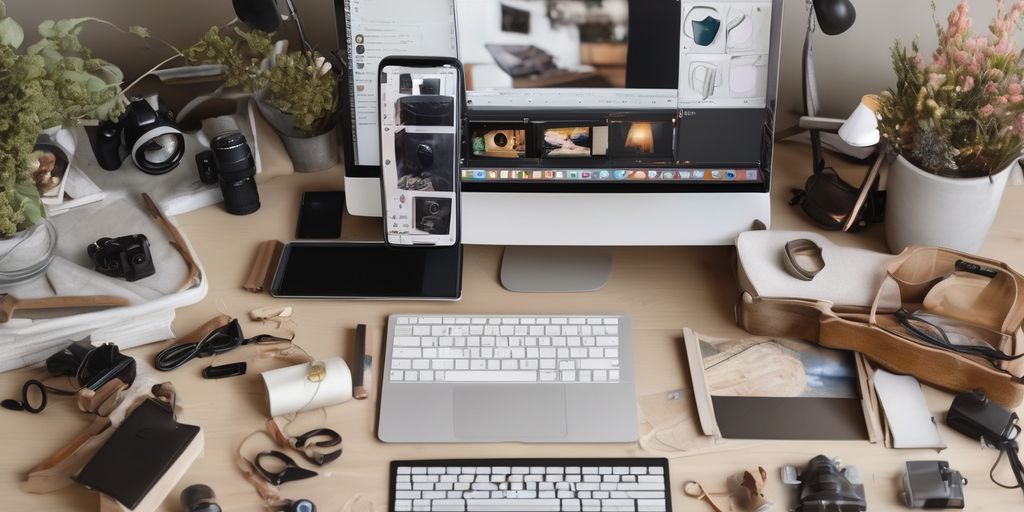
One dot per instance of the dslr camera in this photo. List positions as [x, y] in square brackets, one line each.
[146, 132]
[230, 163]
[124, 256]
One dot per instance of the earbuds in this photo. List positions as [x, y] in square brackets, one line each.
[835, 16]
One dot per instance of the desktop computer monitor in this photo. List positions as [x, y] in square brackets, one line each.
[588, 122]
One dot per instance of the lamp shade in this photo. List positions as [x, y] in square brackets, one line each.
[258, 14]
[640, 137]
[861, 128]
[834, 16]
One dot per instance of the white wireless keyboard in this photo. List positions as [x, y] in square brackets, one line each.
[492, 348]
[535, 485]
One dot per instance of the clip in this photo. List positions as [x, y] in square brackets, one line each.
[309, 450]
[290, 473]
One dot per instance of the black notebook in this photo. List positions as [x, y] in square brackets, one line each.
[142, 449]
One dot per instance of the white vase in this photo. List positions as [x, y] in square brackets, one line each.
[922, 208]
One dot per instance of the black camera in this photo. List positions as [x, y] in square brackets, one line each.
[147, 132]
[433, 214]
[124, 256]
[229, 161]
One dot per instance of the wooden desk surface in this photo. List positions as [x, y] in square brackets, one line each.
[663, 289]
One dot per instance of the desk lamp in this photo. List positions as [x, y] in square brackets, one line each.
[834, 17]
[263, 15]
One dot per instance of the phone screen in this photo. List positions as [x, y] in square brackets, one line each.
[419, 123]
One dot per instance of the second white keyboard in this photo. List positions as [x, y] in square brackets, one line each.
[506, 348]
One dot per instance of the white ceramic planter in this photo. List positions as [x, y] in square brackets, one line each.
[924, 209]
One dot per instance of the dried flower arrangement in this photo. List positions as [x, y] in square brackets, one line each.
[962, 114]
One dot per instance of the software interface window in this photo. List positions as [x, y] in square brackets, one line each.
[585, 92]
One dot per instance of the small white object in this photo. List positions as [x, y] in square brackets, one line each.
[302, 388]
[861, 128]
[790, 476]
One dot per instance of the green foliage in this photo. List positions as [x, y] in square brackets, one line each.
[296, 83]
[962, 114]
[53, 82]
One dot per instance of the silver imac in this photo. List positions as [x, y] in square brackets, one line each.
[589, 122]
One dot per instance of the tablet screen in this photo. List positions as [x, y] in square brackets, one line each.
[368, 270]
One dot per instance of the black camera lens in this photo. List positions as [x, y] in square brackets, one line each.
[236, 170]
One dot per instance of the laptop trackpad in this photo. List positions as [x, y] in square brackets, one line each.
[509, 413]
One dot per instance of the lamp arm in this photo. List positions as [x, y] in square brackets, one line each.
[293, 13]
[810, 91]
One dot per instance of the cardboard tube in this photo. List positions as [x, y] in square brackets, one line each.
[305, 387]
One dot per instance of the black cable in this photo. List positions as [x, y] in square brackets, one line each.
[217, 342]
[906, 319]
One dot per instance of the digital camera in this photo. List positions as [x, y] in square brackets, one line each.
[146, 132]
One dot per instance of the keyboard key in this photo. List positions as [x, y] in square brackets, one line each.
[491, 376]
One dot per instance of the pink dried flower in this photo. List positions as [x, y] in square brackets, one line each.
[961, 58]
[987, 110]
[1018, 125]
[991, 88]
[1015, 89]
[974, 69]
[968, 83]
[1015, 98]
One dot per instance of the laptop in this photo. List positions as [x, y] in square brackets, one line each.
[508, 378]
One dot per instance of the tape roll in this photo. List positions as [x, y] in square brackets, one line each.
[308, 386]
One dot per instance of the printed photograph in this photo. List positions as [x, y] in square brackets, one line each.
[567, 142]
[424, 161]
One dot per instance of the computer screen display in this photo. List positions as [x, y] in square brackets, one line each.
[678, 61]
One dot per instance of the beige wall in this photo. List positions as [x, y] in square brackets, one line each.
[857, 62]
[849, 65]
[179, 22]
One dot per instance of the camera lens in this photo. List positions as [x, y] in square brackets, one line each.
[433, 208]
[236, 168]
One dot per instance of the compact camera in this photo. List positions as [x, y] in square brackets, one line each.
[146, 132]
[229, 161]
[124, 256]
[433, 215]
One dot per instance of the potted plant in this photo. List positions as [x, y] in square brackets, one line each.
[44, 88]
[957, 126]
[295, 90]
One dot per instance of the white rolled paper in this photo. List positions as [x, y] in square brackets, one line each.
[292, 389]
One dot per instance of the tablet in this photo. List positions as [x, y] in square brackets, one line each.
[367, 270]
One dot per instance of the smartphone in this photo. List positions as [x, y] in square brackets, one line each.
[320, 215]
[421, 106]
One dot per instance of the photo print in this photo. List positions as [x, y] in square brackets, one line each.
[492, 142]
[433, 214]
[423, 161]
[572, 142]
[648, 139]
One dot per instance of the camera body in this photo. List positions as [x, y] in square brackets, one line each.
[125, 256]
[230, 162]
[932, 484]
[146, 132]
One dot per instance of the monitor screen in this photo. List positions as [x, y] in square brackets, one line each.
[660, 56]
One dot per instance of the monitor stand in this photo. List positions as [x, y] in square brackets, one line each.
[554, 269]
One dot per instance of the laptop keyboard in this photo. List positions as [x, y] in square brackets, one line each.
[486, 348]
[579, 485]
